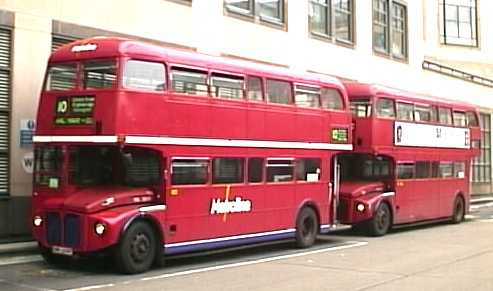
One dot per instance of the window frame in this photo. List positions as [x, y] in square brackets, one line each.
[390, 18]
[473, 25]
[82, 76]
[405, 104]
[377, 109]
[208, 171]
[254, 13]
[332, 11]
[292, 165]
[368, 107]
[299, 89]
[291, 92]
[408, 165]
[481, 164]
[225, 75]
[240, 163]
[165, 76]
[191, 69]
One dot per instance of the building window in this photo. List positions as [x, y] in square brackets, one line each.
[5, 95]
[332, 18]
[266, 10]
[458, 21]
[482, 163]
[390, 28]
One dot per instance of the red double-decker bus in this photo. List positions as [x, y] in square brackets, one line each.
[411, 159]
[143, 151]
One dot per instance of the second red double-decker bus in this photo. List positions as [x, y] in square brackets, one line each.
[411, 159]
[144, 151]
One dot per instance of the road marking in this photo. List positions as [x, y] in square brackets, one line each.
[20, 260]
[469, 216]
[475, 207]
[350, 244]
[91, 287]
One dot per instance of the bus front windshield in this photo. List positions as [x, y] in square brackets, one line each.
[93, 166]
[361, 167]
[108, 165]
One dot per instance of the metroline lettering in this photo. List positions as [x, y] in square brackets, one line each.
[230, 206]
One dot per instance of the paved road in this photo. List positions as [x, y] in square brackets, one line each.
[432, 257]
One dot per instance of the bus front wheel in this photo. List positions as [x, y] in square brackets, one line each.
[459, 210]
[306, 228]
[137, 249]
[381, 221]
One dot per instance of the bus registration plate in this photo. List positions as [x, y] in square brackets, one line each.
[62, 251]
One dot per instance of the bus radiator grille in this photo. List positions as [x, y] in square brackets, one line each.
[71, 235]
[53, 228]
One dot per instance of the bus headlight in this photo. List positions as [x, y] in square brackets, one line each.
[360, 207]
[37, 220]
[99, 228]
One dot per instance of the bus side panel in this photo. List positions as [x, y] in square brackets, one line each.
[448, 190]
[234, 112]
[279, 205]
[316, 194]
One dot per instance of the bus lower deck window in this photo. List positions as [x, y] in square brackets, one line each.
[189, 171]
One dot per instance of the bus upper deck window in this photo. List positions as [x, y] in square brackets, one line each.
[472, 120]
[189, 81]
[306, 96]
[99, 74]
[227, 86]
[459, 118]
[331, 99]
[61, 77]
[422, 113]
[279, 92]
[445, 115]
[361, 108]
[385, 108]
[254, 88]
[144, 75]
[405, 111]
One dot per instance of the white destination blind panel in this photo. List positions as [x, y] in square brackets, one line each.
[426, 135]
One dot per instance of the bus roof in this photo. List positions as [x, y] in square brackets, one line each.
[357, 90]
[109, 47]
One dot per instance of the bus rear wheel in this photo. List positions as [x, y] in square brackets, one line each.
[459, 210]
[306, 228]
[381, 221]
[137, 249]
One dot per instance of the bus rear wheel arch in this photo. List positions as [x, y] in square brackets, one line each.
[307, 227]
[137, 249]
[381, 222]
[458, 210]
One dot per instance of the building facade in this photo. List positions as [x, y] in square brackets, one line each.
[438, 47]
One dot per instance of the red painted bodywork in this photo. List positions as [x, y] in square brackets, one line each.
[414, 199]
[129, 112]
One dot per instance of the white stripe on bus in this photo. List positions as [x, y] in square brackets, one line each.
[194, 142]
[235, 143]
[78, 138]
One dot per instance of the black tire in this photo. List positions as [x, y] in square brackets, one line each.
[51, 258]
[137, 249]
[458, 211]
[381, 221]
[307, 228]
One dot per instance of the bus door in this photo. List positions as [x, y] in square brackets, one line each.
[404, 193]
[335, 190]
